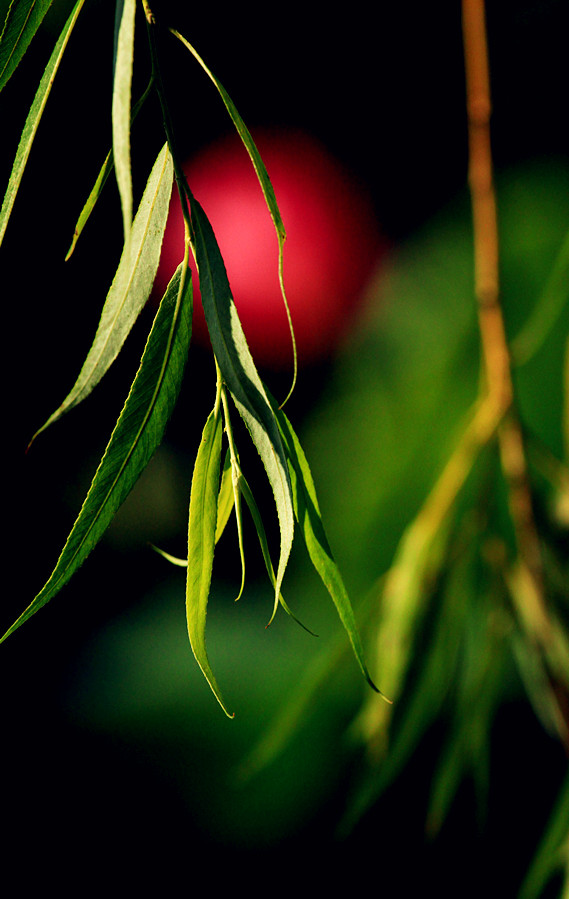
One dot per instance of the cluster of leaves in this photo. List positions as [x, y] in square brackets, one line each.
[217, 489]
[455, 631]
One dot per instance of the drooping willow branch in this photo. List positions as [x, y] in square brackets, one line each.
[497, 370]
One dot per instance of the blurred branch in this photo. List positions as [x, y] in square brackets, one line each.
[534, 615]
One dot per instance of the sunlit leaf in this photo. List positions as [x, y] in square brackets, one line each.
[264, 544]
[174, 560]
[34, 118]
[23, 19]
[122, 84]
[131, 285]
[310, 521]
[104, 172]
[262, 175]
[241, 376]
[226, 497]
[89, 205]
[201, 542]
[137, 433]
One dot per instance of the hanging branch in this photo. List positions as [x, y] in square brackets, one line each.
[529, 590]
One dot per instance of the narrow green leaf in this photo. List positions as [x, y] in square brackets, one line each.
[89, 205]
[226, 497]
[23, 19]
[201, 542]
[137, 433]
[241, 376]
[174, 560]
[34, 117]
[122, 85]
[261, 534]
[262, 175]
[131, 285]
[101, 180]
[310, 521]
[235, 475]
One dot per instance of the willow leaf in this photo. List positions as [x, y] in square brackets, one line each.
[201, 542]
[131, 285]
[174, 560]
[261, 534]
[89, 204]
[104, 172]
[308, 515]
[122, 88]
[235, 475]
[137, 433]
[23, 19]
[262, 175]
[241, 377]
[226, 497]
[34, 117]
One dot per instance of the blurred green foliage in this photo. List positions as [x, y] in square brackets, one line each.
[379, 435]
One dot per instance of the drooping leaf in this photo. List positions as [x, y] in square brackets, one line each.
[262, 175]
[264, 544]
[131, 285]
[23, 19]
[102, 177]
[235, 479]
[308, 515]
[89, 205]
[137, 433]
[34, 117]
[122, 84]
[174, 560]
[226, 497]
[201, 542]
[241, 376]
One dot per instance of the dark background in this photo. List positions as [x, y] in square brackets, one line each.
[382, 86]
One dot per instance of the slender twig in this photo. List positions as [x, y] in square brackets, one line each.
[496, 354]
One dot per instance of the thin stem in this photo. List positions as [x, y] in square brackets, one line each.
[496, 355]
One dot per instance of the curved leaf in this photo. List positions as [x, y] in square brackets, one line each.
[260, 528]
[310, 520]
[262, 175]
[201, 542]
[241, 376]
[131, 285]
[23, 19]
[104, 172]
[226, 497]
[34, 118]
[137, 433]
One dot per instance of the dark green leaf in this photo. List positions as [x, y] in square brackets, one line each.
[261, 534]
[310, 520]
[23, 19]
[137, 433]
[241, 376]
